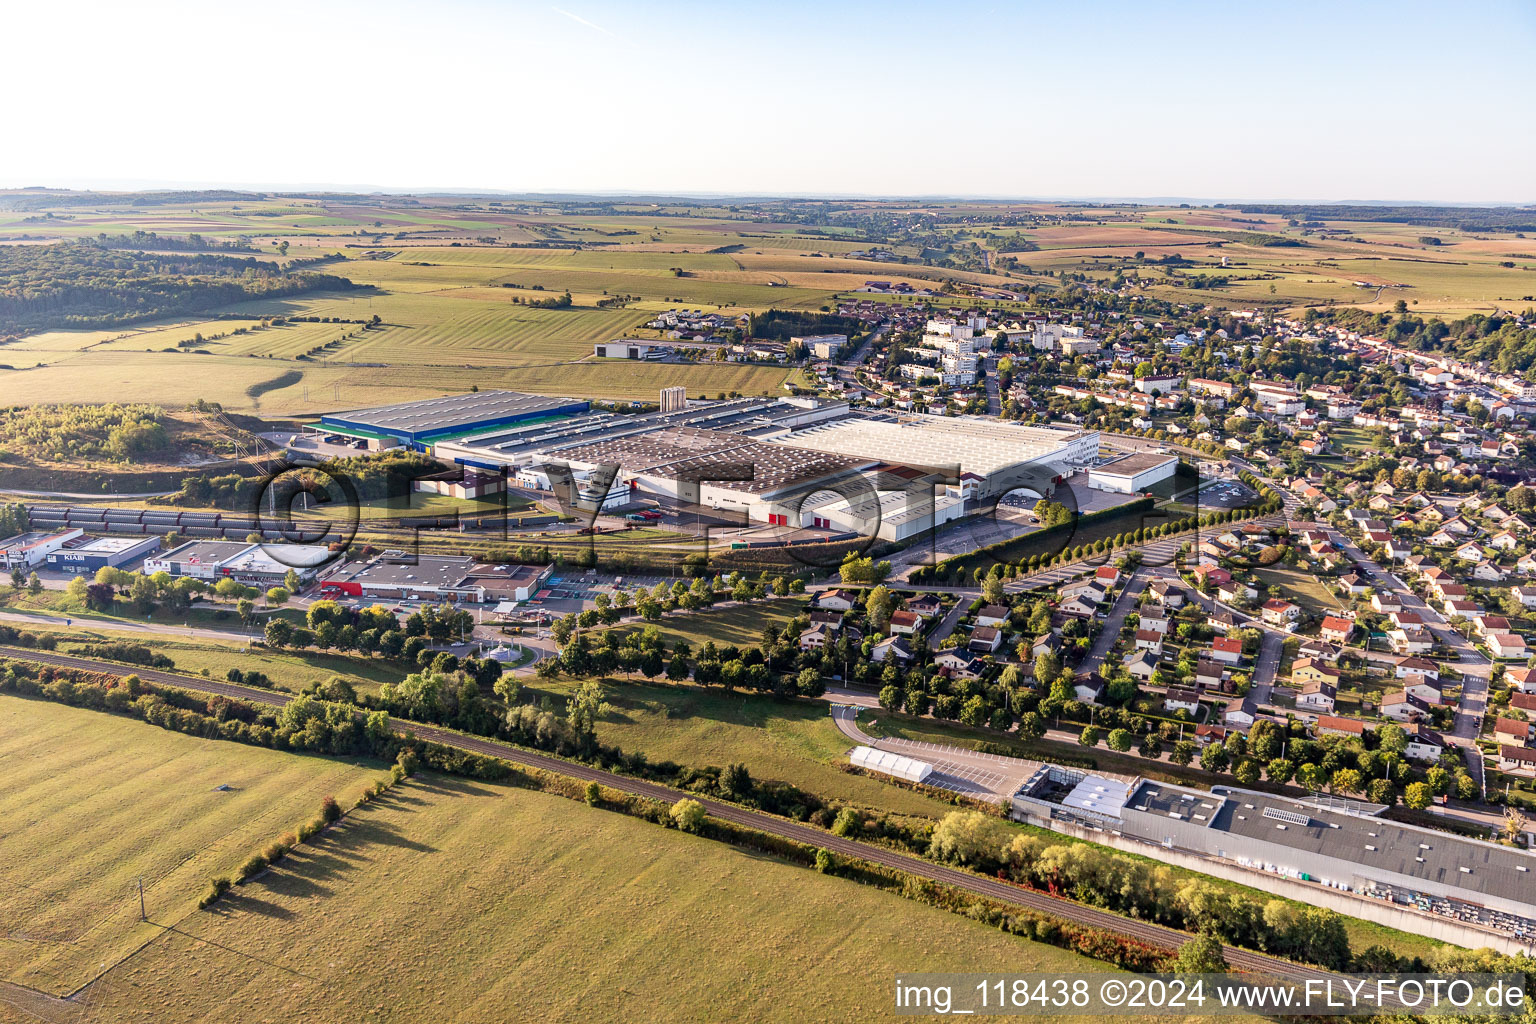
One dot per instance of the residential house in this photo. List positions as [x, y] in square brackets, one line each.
[1234, 592]
[1206, 734]
[1078, 607]
[894, 647]
[1522, 679]
[985, 639]
[1316, 696]
[1428, 690]
[992, 615]
[1412, 640]
[1226, 651]
[926, 605]
[1405, 667]
[1277, 612]
[1311, 670]
[1210, 675]
[1402, 706]
[815, 638]
[1240, 712]
[1329, 725]
[833, 621]
[1337, 629]
[1425, 745]
[1089, 690]
[1181, 699]
[958, 664]
[1149, 640]
[1512, 730]
[1507, 645]
[1141, 664]
[1354, 584]
[1487, 572]
[1386, 602]
[905, 623]
[1487, 623]
[1517, 759]
[836, 600]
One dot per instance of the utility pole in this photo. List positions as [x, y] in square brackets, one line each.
[142, 915]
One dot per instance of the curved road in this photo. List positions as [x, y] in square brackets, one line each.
[1152, 934]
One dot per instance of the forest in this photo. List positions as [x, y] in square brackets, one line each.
[62, 432]
[81, 284]
[1467, 218]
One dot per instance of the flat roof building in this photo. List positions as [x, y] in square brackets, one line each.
[29, 550]
[419, 422]
[94, 553]
[396, 576]
[1133, 473]
[998, 454]
[262, 564]
[1340, 845]
[716, 469]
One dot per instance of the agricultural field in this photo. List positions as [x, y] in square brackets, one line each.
[450, 282]
[453, 900]
[94, 803]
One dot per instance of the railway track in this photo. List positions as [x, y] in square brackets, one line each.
[1154, 934]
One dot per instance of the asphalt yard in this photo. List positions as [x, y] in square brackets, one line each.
[1225, 494]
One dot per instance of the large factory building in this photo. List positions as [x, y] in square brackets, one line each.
[1331, 844]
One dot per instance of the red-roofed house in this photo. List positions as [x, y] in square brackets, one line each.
[1337, 629]
[1227, 651]
[1328, 725]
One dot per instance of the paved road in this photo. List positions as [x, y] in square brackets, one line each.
[1134, 586]
[957, 769]
[1156, 935]
[951, 619]
[1475, 669]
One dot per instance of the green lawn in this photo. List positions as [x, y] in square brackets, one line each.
[457, 901]
[93, 803]
[1301, 589]
[202, 615]
[740, 624]
[791, 740]
[287, 669]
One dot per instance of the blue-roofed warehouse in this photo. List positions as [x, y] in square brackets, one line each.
[418, 424]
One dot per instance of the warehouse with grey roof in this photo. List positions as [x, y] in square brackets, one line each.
[1340, 845]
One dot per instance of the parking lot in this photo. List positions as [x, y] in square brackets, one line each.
[961, 778]
[568, 591]
[1225, 494]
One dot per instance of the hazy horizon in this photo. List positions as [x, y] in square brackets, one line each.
[1305, 102]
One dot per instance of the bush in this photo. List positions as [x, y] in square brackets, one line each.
[825, 862]
[593, 794]
[254, 865]
[330, 810]
[216, 887]
[688, 815]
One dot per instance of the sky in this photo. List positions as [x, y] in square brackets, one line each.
[1343, 100]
